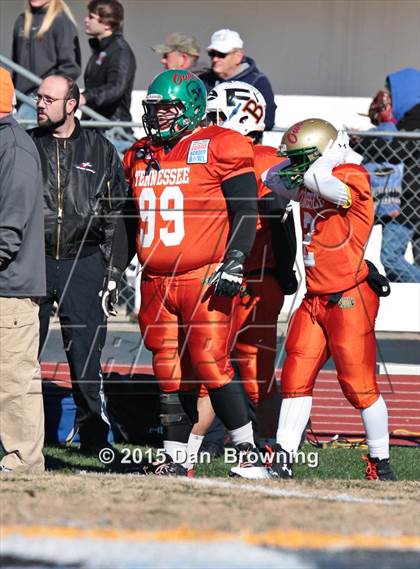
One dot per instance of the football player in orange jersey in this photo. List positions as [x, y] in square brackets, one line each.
[337, 315]
[268, 269]
[195, 195]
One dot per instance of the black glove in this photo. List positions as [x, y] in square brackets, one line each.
[110, 291]
[227, 279]
[288, 282]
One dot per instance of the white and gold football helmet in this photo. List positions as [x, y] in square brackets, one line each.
[303, 143]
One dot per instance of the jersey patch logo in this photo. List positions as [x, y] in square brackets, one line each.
[86, 167]
[198, 152]
[346, 302]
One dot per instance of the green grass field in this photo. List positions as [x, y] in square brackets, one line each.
[333, 463]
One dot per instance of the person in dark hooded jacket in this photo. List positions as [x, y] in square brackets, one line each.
[229, 63]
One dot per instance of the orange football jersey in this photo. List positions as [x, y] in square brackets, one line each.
[261, 255]
[334, 237]
[183, 214]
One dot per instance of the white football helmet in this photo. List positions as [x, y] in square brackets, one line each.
[236, 105]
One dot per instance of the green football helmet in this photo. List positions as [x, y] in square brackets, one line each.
[303, 143]
[183, 95]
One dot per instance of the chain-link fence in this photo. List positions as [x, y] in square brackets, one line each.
[392, 160]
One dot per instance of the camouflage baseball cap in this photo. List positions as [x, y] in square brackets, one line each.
[179, 42]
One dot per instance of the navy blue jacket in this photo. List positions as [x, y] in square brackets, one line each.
[254, 77]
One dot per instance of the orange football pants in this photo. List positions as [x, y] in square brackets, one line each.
[188, 330]
[255, 344]
[345, 331]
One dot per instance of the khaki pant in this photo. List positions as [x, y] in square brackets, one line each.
[21, 404]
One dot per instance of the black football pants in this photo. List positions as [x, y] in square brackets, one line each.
[74, 285]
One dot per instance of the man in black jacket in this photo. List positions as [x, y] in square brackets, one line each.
[109, 74]
[84, 187]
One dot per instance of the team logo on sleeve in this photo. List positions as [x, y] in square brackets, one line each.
[198, 152]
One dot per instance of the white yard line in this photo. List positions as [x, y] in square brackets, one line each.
[283, 492]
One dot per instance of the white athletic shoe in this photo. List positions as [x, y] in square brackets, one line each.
[249, 465]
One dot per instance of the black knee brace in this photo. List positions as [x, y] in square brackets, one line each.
[230, 405]
[188, 401]
[175, 422]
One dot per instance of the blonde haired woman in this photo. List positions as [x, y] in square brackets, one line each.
[45, 41]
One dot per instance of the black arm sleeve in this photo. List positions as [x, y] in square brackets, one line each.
[124, 239]
[284, 245]
[283, 235]
[241, 196]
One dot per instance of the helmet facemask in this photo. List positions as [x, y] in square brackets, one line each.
[175, 104]
[300, 161]
[303, 143]
[164, 121]
[215, 117]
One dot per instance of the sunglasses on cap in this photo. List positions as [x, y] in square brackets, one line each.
[213, 53]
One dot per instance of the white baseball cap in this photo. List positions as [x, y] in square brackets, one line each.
[225, 41]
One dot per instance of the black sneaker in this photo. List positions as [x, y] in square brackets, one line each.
[378, 469]
[249, 464]
[281, 463]
[167, 468]
[213, 449]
